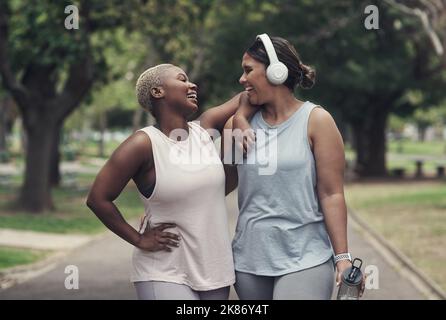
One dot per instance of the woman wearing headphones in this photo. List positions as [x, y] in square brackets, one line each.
[291, 232]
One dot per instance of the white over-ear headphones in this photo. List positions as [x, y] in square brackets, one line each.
[277, 72]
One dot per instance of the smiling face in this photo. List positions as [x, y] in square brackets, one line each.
[254, 81]
[178, 91]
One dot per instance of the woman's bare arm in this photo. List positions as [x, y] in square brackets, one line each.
[241, 125]
[244, 113]
[328, 149]
[226, 155]
[216, 117]
[130, 157]
[123, 164]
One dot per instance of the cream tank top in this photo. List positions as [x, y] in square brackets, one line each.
[190, 192]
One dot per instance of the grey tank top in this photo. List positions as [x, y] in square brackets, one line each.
[281, 227]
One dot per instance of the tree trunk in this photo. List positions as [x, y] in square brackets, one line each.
[369, 138]
[3, 149]
[6, 122]
[36, 191]
[54, 171]
[102, 128]
[422, 133]
[137, 118]
[23, 138]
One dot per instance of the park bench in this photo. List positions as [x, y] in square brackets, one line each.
[419, 168]
[440, 171]
[398, 172]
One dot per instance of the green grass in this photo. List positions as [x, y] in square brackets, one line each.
[434, 151]
[11, 257]
[427, 195]
[71, 214]
[427, 148]
[411, 216]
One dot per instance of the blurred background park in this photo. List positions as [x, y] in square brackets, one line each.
[67, 101]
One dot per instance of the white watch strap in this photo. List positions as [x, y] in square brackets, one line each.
[342, 256]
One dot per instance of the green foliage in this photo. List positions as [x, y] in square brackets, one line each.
[361, 74]
[208, 38]
[119, 118]
[425, 118]
[4, 156]
[396, 124]
[38, 36]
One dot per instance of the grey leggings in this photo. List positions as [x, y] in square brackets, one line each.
[310, 284]
[160, 290]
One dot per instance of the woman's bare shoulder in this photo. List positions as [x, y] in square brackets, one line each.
[137, 147]
[319, 119]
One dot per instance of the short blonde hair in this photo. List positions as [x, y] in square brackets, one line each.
[149, 79]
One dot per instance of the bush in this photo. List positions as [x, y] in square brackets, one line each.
[4, 156]
[69, 153]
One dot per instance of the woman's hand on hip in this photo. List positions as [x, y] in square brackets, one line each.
[155, 239]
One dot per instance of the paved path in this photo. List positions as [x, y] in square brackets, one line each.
[104, 267]
[41, 240]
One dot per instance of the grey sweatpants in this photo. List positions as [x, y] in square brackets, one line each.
[160, 290]
[315, 283]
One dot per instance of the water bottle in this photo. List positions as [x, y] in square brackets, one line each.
[351, 280]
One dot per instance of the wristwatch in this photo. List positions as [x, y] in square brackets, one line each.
[342, 256]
